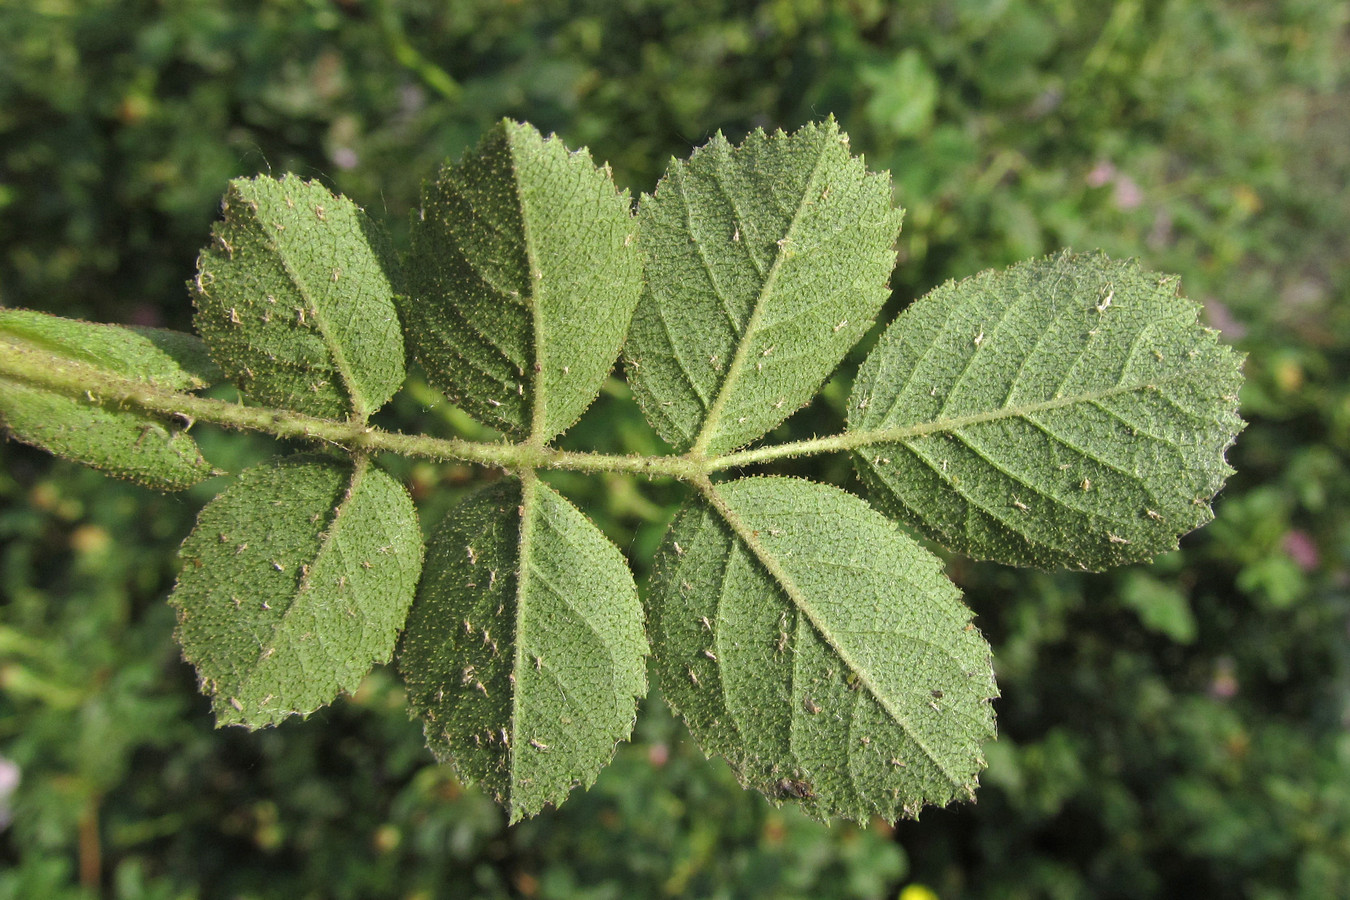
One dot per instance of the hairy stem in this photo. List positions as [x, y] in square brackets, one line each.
[34, 365]
[30, 364]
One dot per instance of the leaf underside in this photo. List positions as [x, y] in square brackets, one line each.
[167, 359]
[524, 652]
[1064, 412]
[295, 582]
[523, 277]
[820, 650]
[146, 449]
[294, 299]
[765, 263]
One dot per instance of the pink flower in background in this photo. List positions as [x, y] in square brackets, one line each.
[1218, 316]
[1101, 175]
[1224, 683]
[1301, 548]
[345, 158]
[1127, 193]
[10, 776]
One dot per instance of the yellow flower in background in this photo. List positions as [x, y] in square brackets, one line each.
[918, 892]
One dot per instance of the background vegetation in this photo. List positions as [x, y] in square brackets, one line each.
[1173, 730]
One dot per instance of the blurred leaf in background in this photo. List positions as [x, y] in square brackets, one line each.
[1173, 730]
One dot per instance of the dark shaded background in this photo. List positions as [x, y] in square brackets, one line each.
[1173, 730]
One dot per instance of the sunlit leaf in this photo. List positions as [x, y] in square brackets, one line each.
[524, 653]
[294, 299]
[765, 263]
[1064, 412]
[806, 639]
[294, 583]
[150, 450]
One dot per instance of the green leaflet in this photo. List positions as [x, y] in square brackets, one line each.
[524, 652]
[805, 638]
[167, 359]
[765, 263]
[523, 277]
[295, 582]
[129, 444]
[1064, 412]
[294, 300]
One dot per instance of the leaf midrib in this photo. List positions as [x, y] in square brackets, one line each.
[538, 395]
[922, 429]
[712, 420]
[56, 347]
[854, 439]
[359, 405]
[528, 491]
[328, 536]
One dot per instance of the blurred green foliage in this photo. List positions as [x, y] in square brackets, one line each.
[1173, 730]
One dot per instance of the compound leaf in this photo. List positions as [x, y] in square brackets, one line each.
[806, 639]
[1064, 412]
[124, 442]
[524, 651]
[524, 273]
[765, 263]
[295, 582]
[294, 299]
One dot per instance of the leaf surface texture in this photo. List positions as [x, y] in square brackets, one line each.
[523, 277]
[765, 263]
[294, 299]
[524, 653]
[1064, 412]
[806, 639]
[295, 581]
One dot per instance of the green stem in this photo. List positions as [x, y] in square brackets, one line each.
[831, 444]
[29, 363]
